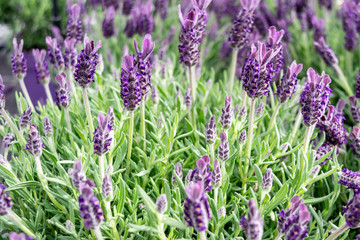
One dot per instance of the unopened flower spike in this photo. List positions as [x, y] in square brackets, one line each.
[274, 42]
[187, 97]
[161, 8]
[350, 179]
[47, 127]
[210, 130]
[354, 109]
[288, 82]
[216, 174]
[41, 67]
[161, 204]
[54, 51]
[267, 180]
[355, 140]
[242, 136]
[74, 25]
[223, 150]
[178, 172]
[108, 23]
[259, 109]
[5, 200]
[110, 116]
[130, 84]
[226, 114]
[202, 173]
[25, 118]
[326, 52]
[253, 225]
[18, 61]
[34, 144]
[8, 138]
[63, 94]
[77, 174]
[107, 188]
[102, 139]
[70, 54]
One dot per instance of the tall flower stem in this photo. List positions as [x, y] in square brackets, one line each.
[109, 219]
[223, 170]
[67, 116]
[52, 145]
[233, 68]
[192, 82]
[20, 223]
[202, 235]
[273, 119]
[72, 85]
[250, 134]
[343, 81]
[101, 166]
[131, 132]
[216, 193]
[26, 94]
[295, 127]
[20, 136]
[98, 234]
[212, 153]
[278, 237]
[308, 134]
[48, 93]
[338, 232]
[142, 122]
[88, 111]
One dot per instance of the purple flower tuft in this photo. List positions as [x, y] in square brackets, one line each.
[18, 61]
[47, 127]
[187, 97]
[288, 82]
[63, 94]
[326, 52]
[161, 8]
[352, 211]
[74, 25]
[107, 188]
[202, 173]
[25, 118]
[323, 150]
[5, 201]
[108, 23]
[77, 174]
[70, 54]
[275, 43]
[354, 109]
[355, 139]
[130, 83]
[102, 139]
[242, 137]
[19, 236]
[127, 7]
[210, 131]
[253, 226]
[350, 179]
[161, 204]
[8, 138]
[216, 174]
[34, 144]
[41, 67]
[223, 150]
[226, 114]
[267, 180]
[178, 172]
[54, 51]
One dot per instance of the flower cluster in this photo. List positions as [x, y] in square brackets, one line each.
[202, 173]
[76, 174]
[210, 131]
[226, 114]
[141, 20]
[54, 51]
[326, 52]
[18, 61]
[41, 67]
[102, 139]
[34, 144]
[74, 25]
[63, 94]
[108, 23]
[288, 82]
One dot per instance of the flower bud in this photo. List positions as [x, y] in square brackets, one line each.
[161, 204]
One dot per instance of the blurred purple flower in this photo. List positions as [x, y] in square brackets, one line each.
[54, 51]
[253, 226]
[288, 82]
[18, 61]
[63, 97]
[74, 25]
[41, 67]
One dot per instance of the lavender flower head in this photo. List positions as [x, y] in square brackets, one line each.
[90, 209]
[293, 222]
[74, 25]
[326, 52]
[143, 63]
[242, 137]
[19, 236]
[349, 15]
[5, 201]
[107, 188]
[187, 97]
[354, 109]
[130, 84]
[34, 144]
[161, 8]
[350, 179]
[226, 114]
[267, 180]
[201, 23]
[352, 211]
[108, 23]
[216, 174]
[202, 173]
[196, 208]
[25, 118]
[18, 61]
[355, 139]
[110, 118]
[319, 29]
[178, 172]
[189, 38]
[288, 82]
[77, 174]
[47, 127]
[63, 94]
[223, 150]
[325, 148]
[54, 51]
[274, 43]
[339, 110]
[127, 7]
[253, 226]
[86, 63]
[70, 54]
[41, 67]
[243, 24]
[102, 139]
[210, 131]
[357, 94]
[8, 138]
[257, 71]
[315, 97]
[161, 204]
[141, 20]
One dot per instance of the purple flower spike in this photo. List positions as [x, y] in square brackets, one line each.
[201, 23]
[143, 63]
[102, 139]
[288, 82]
[41, 67]
[86, 63]
[110, 118]
[354, 109]
[63, 94]
[210, 131]
[74, 25]
[315, 97]
[349, 15]
[189, 37]
[357, 237]
[25, 118]
[141, 20]
[34, 144]
[257, 71]
[196, 208]
[161, 8]
[77, 174]
[259, 110]
[89, 206]
[5, 201]
[326, 52]
[340, 105]
[127, 7]
[70, 54]
[178, 172]
[224, 150]
[130, 84]
[357, 94]
[323, 150]
[243, 24]
[161, 204]
[267, 180]
[242, 137]
[216, 174]
[18, 61]
[293, 221]
[2, 95]
[352, 211]
[274, 43]
[187, 97]
[8, 138]
[111, 3]
[108, 23]
[47, 127]
[350, 179]
[202, 173]
[19, 236]
[319, 29]
[226, 114]
[107, 188]
[253, 226]
[54, 51]
[355, 139]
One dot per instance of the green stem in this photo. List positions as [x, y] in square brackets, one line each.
[202, 235]
[142, 124]
[192, 82]
[278, 237]
[26, 94]
[216, 193]
[295, 127]
[273, 119]
[88, 111]
[72, 85]
[131, 132]
[52, 145]
[223, 171]
[98, 234]
[48, 93]
[67, 116]
[101, 167]
[20, 136]
[233, 68]
[308, 134]
[20, 223]
[250, 133]
[338, 232]
[111, 222]
[212, 153]
[343, 82]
